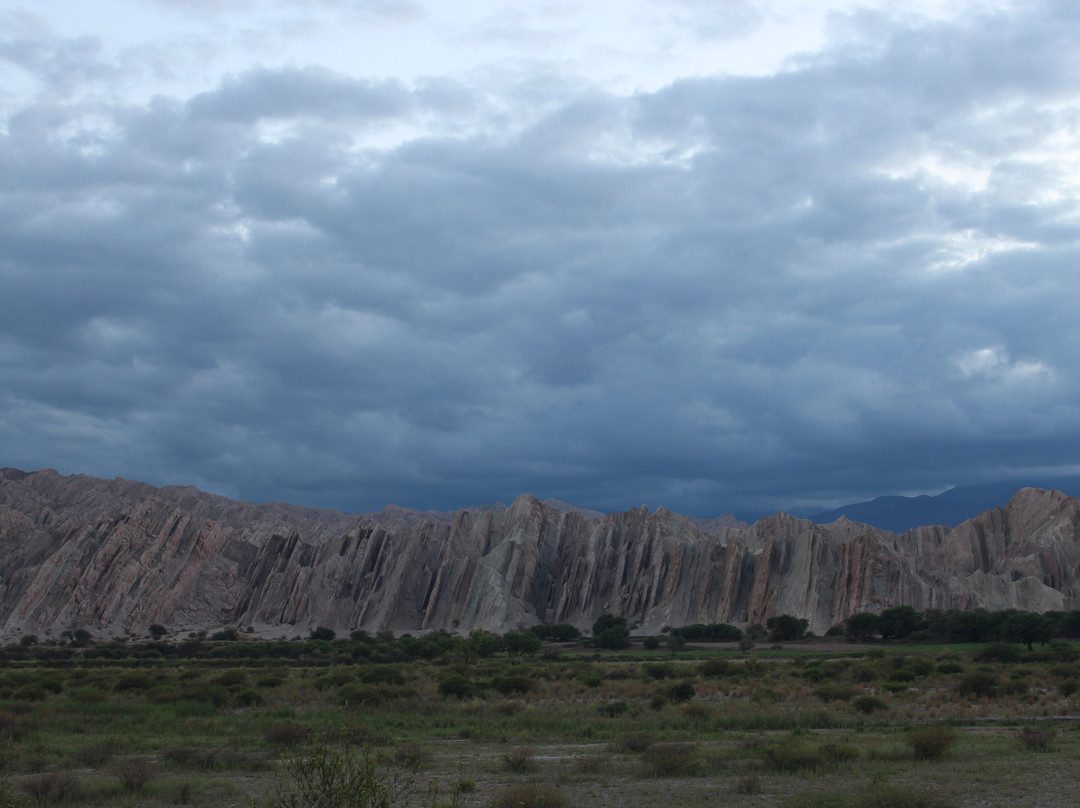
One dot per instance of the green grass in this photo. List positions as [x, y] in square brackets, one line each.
[766, 727]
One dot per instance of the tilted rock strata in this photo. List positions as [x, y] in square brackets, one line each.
[115, 556]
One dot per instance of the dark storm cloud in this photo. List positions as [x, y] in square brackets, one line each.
[850, 278]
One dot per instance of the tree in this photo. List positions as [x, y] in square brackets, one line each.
[1027, 627]
[81, 638]
[323, 633]
[521, 642]
[786, 627]
[611, 632]
[861, 626]
[557, 632]
[157, 631]
[898, 622]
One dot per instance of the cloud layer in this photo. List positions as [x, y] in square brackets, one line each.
[851, 277]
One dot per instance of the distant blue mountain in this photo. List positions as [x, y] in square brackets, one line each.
[900, 514]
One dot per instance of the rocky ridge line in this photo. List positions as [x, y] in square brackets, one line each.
[114, 556]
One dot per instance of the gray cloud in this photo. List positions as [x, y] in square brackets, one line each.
[850, 278]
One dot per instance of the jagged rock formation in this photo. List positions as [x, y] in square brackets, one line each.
[114, 556]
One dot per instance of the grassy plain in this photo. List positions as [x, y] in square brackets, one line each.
[804, 725]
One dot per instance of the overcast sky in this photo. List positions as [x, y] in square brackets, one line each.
[715, 255]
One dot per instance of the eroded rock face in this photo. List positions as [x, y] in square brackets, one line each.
[114, 556]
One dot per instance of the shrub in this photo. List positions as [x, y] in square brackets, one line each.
[98, 754]
[382, 675]
[508, 685]
[949, 667]
[237, 677]
[136, 680]
[89, 695]
[330, 776]
[978, 683]
[410, 756]
[835, 752]
[286, 734]
[868, 704]
[51, 786]
[931, 743]
[792, 756]
[356, 693]
[530, 795]
[519, 759]
[249, 697]
[660, 670]
[613, 708]
[749, 784]
[875, 796]
[683, 691]
[672, 760]
[456, 686]
[134, 774]
[1035, 739]
[1000, 652]
[714, 667]
[834, 691]
[634, 742]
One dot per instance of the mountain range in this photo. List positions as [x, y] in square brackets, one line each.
[950, 508]
[115, 556]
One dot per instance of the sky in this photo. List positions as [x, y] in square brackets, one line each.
[727, 256]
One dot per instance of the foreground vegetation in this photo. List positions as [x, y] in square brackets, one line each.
[511, 721]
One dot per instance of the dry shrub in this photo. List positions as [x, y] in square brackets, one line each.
[672, 760]
[286, 734]
[931, 743]
[634, 742]
[519, 759]
[1035, 739]
[98, 754]
[750, 784]
[593, 764]
[135, 774]
[410, 756]
[531, 795]
[836, 752]
[51, 786]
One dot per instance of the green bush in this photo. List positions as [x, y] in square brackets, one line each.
[135, 680]
[715, 667]
[456, 686]
[792, 756]
[978, 683]
[835, 691]
[660, 670]
[931, 743]
[672, 760]
[509, 685]
[868, 704]
[1000, 652]
[613, 708]
[680, 692]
